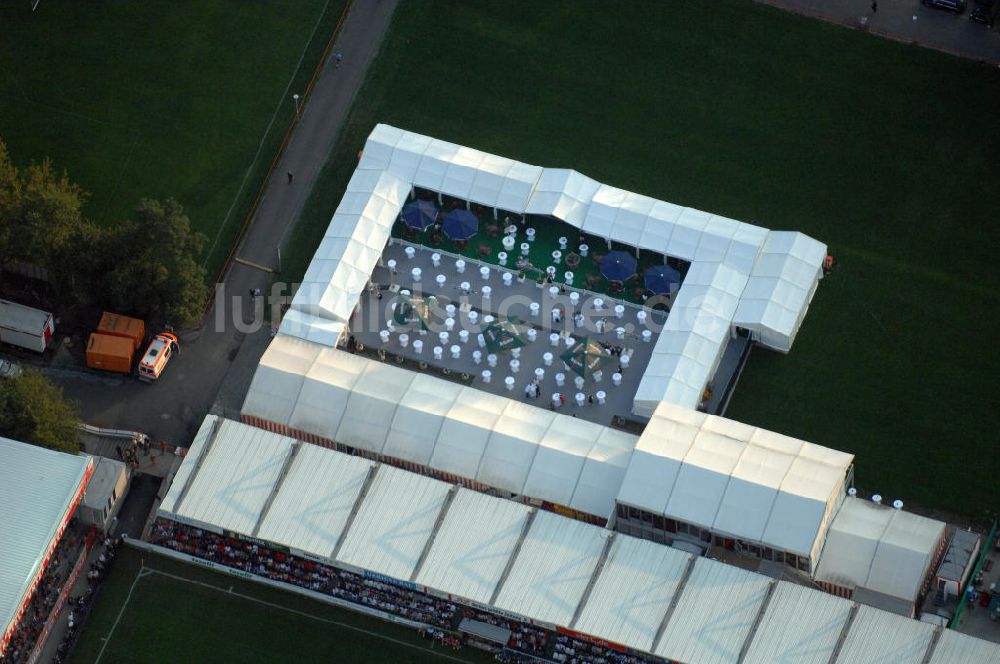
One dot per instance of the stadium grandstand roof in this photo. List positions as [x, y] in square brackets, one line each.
[471, 549]
[39, 489]
[879, 548]
[735, 479]
[631, 596]
[710, 625]
[878, 636]
[800, 625]
[553, 567]
[548, 568]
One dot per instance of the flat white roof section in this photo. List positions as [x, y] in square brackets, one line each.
[879, 548]
[633, 592]
[233, 482]
[877, 637]
[394, 522]
[473, 544]
[37, 488]
[553, 568]
[20, 318]
[714, 616]
[799, 626]
[315, 499]
[955, 648]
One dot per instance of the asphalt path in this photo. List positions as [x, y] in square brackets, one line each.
[907, 21]
[172, 408]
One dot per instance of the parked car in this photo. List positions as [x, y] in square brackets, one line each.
[982, 13]
[8, 369]
[956, 6]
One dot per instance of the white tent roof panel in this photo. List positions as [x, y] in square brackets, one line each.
[630, 597]
[799, 626]
[311, 508]
[233, 483]
[311, 328]
[37, 488]
[714, 615]
[877, 637]
[393, 523]
[416, 425]
[473, 545]
[274, 390]
[325, 392]
[466, 432]
[552, 569]
[879, 548]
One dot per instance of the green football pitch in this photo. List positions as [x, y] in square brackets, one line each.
[884, 151]
[154, 610]
[138, 99]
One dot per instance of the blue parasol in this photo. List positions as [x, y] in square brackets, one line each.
[618, 266]
[418, 215]
[662, 279]
[460, 225]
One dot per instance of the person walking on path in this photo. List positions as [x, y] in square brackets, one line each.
[289, 177]
[874, 7]
[337, 57]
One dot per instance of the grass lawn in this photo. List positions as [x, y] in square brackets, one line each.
[159, 100]
[206, 616]
[874, 147]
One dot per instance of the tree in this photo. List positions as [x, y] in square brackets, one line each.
[41, 219]
[155, 271]
[33, 410]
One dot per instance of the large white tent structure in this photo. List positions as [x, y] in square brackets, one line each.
[559, 573]
[775, 272]
[437, 427]
[39, 491]
[887, 553]
[707, 476]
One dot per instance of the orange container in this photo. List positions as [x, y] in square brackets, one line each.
[117, 325]
[110, 353]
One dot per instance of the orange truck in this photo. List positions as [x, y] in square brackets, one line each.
[110, 353]
[117, 325]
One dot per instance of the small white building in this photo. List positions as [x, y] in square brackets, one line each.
[105, 493]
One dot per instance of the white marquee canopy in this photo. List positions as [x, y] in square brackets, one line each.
[735, 479]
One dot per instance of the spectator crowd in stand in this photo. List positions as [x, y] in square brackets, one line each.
[528, 643]
[44, 597]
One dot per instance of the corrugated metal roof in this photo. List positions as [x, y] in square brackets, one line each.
[632, 593]
[877, 637]
[799, 626]
[394, 522]
[473, 545]
[553, 568]
[955, 648]
[714, 615]
[315, 500]
[233, 482]
[37, 486]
